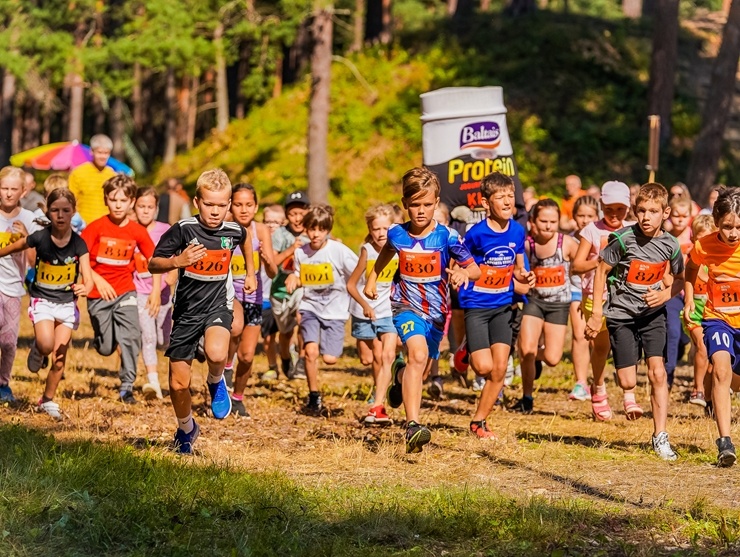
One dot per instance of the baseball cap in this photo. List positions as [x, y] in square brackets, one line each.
[297, 198]
[615, 192]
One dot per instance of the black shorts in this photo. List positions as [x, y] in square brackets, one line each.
[631, 339]
[269, 325]
[484, 327]
[516, 324]
[550, 312]
[252, 314]
[454, 299]
[187, 330]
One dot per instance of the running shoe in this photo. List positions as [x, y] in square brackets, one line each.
[481, 431]
[478, 383]
[49, 407]
[537, 369]
[726, 450]
[662, 446]
[184, 441]
[416, 437]
[220, 399]
[580, 392]
[525, 405]
[395, 394]
[36, 361]
[314, 406]
[436, 390]
[6, 394]
[127, 397]
[269, 375]
[499, 398]
[510, 372]
[299, 369]
[238, 408]
[697, 397]
[152, 391]
[377, 415]
[229, 378]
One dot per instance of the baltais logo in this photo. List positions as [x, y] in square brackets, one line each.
[480, 135]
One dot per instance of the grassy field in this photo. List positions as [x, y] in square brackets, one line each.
[104, 481]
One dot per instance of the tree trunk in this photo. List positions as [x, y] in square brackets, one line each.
[277, 88]
[705, 158]
[117, 128]
[183, 106]
[358, 26]
[242, 71]
[192, 112]
[633, 8]
[31, 124]
[451, 7]
[222, 91]
[97, 108]
[485, 5]
[170, 132]
[136, 100]
[7, 109]
[76, 106]
[386, 22]
[663, 65]
[297, 56]
[46, 119]
[318, 119]
[520, 7]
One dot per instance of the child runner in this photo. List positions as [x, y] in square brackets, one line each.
[702, 225]
[200, 248]
[497, 246]
[15, 222]
[285, 241]
[636, 259]
[155, 315]
[245, 331]
[615, 201]
[585, 211]
[425, 251]
[720, 253]
[372, 320]
[273, 218]
[61, 257]
[322, 268]
[550, 254]
[112, 303]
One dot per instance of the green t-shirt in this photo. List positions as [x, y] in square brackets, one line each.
[282, 239]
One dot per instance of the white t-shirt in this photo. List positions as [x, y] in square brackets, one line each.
[381, 305]
[324, 274]
[597, 234]
[13, 267]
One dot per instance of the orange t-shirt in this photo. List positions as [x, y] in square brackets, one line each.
[566, 206]
[723, 265]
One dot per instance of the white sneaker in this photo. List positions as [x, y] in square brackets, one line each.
[662, 447]
[509, 377]
[51, 408]
[152, 391]
[35, 360]
[478, 383]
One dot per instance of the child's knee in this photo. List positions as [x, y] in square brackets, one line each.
[312, 351]
[246, 356]
[329, 359]
[657, 375]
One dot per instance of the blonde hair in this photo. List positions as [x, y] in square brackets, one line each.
[702, 225]
[275, 209]
[677, 202]
[379, 211]
[214, 179]
[13, 172]
[652, 191]
[55, 182]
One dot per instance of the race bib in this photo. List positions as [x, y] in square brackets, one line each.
[238, 267]
[141, 265]
[56, 277]
[494, 280]
[726, 296]
[645, 274]
[700, 289]
[549, 277]
[388, 273]
[420, 267]
[115, 251]
[214, 266]
[317, 275]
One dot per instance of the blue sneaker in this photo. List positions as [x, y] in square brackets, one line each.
[6, 395]
[184, 441]
[220, 399]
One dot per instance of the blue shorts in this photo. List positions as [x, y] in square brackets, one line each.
[721, 337]
[408, 324]
[364, 329]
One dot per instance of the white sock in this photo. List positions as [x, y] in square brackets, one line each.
[186, 424]
[153, 378]
[214, 378]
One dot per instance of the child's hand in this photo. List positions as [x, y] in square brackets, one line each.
[369, 313]
[370, 291]
[593, 326]
[250, 284]
[458, 277]
[79, 290]
[530, 278]
[291, 283]
[20, 228]
[153, 302]
[688, 310]
[655, 298]
[107, 292]
[191, 254]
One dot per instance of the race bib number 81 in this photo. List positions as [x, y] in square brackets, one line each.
[726, 296]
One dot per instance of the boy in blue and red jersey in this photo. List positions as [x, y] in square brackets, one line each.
[425, 250]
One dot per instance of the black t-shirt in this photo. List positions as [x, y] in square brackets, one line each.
[202, 286]
[57, 268]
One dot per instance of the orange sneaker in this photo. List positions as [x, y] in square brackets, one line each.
[377, 415]
[481, 431]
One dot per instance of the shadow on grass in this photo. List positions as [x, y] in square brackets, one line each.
[89, 498]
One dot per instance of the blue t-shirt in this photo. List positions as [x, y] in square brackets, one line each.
[495, 253]
[420, 284]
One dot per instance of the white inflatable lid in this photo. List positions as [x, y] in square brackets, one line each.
[461, 102]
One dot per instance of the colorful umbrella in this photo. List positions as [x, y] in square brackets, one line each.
[65, 155]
